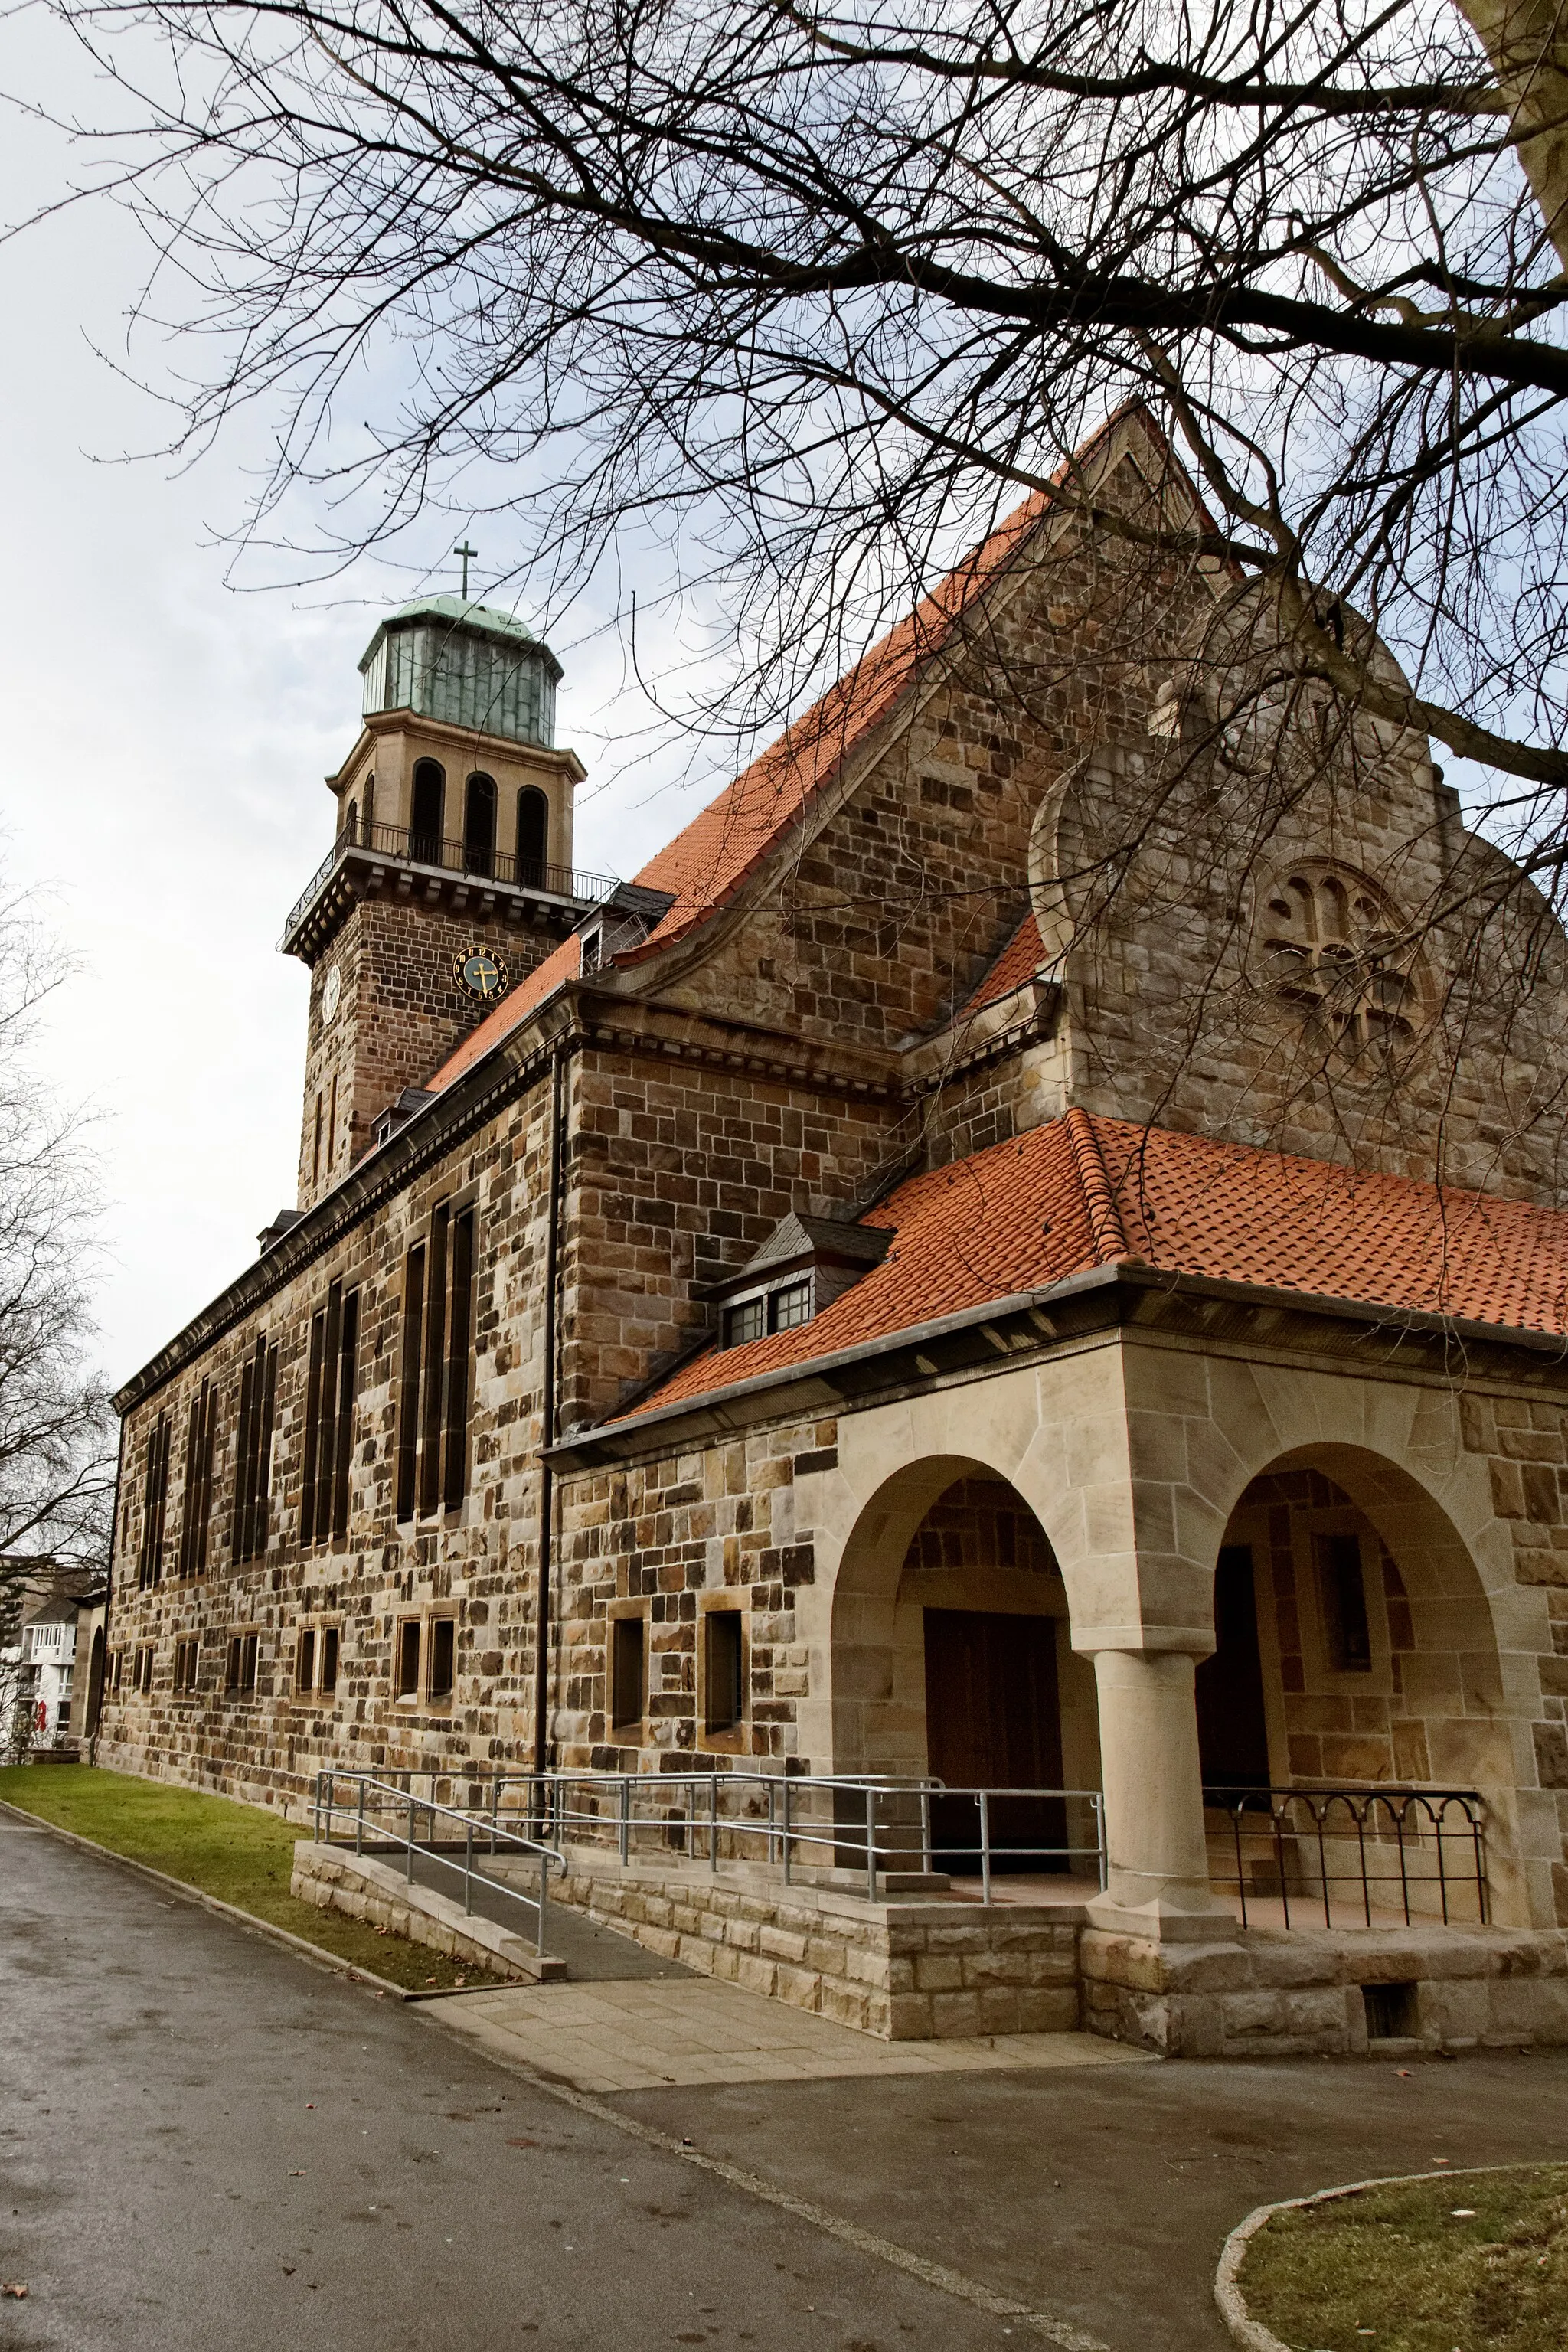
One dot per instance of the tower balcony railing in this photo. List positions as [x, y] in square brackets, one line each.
[470, 860]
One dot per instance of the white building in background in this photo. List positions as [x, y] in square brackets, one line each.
[47, 1669]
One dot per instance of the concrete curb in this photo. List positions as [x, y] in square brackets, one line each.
[1227, 2294]
[262, 1927]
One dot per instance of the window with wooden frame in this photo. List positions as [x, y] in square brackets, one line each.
[330, 1389]
[142, 1670]
[116, 1669]
[155, 1505]
[435, 1383]
[628, 1671]
[187, 1658]
[1342, 1586]
[722, 1656]
[441, 1672]
[305, 1659]
[243, 1652]
[329, 1642]
[405, 1661]
[201, 1444]
[253, 1466]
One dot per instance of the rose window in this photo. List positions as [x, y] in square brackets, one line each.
[1333, 947]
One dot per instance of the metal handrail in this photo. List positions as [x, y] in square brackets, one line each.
[413, 848]
[327, 1809]
[775, 1817]
[1415, 1823]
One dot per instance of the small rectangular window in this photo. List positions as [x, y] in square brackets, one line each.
[408, 1658]
[443, 1655]
[329, 1658]
[1343, 1591]
[726, 1698]
[118, 1668]
[790, 1308]
[249, 1644]
[627, 1643]
[142, 1671]
[186, 1654]
[305, 1659]
[747, 1321]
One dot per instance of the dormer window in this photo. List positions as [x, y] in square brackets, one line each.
[803, 1265]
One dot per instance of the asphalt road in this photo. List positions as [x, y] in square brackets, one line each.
[208, 2143]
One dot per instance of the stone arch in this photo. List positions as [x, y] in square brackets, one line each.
[1428, 1702]
[953, 1536]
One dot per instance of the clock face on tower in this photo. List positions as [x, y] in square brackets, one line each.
[482, 974]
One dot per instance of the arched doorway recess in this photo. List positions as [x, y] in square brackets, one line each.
[952, 1657]
[1355, 1647]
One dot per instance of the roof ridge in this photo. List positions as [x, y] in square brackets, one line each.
[1106, 1231]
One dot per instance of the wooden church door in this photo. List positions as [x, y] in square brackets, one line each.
[993, 1721]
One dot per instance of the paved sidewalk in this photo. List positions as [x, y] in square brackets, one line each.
[644, 2037]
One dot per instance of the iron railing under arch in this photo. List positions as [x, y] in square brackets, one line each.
[1416, 1853]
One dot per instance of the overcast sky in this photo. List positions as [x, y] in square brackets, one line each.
[163, 750]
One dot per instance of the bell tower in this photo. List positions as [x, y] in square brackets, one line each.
[450, 876]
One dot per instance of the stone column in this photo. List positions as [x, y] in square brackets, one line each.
[1159, 1884]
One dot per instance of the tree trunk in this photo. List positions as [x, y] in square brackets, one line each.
[1527, 41]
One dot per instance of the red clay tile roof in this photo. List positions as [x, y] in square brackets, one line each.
[707, 863]
[1083, 1192]
[1018, 961]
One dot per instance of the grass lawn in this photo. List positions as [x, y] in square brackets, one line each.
[1477, 2262]
[241, 1853]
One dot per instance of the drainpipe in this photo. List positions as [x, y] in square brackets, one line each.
[547, 1411]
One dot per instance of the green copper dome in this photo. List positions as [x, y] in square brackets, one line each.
[465, 664]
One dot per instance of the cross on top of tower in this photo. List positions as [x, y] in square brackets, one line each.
[465, 552]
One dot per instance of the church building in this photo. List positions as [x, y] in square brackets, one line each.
[1024, 1251]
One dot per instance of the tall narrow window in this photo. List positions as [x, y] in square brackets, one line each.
[443, 1656]
[480, 825]
[532, 836]
[408, 1658]
[725, 1695]
[316, 1148]
[253, 1466]
[351, 822]
[330, 1657]
[459, 1343]
[370, 812]
[330, 1388]
[627, 1640]
[201, 1441]
[1343, 1593]
[305, 1660]
[154, 1503]
[436, 1386]
[429, 813]
[332, 1127]
[408, 1397]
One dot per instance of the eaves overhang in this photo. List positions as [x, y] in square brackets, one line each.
[1003, 1333]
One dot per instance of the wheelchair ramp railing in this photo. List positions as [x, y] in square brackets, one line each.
[376, 1815]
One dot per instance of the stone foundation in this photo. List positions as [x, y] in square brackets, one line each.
[1268, 1994]
[918, 1971]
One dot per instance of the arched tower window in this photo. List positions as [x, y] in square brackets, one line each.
[480, 825]
[532, 836]
[429, 813]
[350, 822]
[370, 812]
